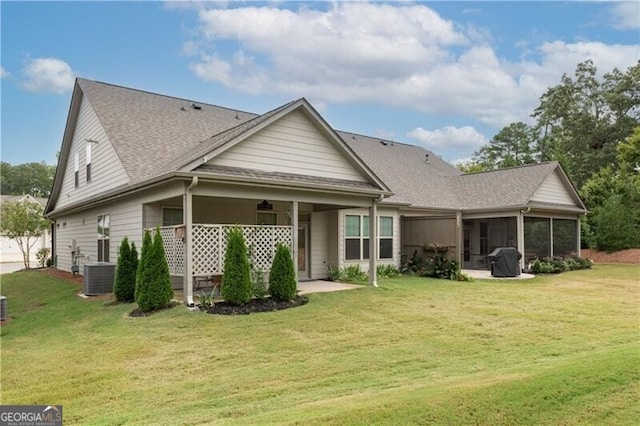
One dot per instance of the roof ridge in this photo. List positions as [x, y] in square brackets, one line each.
[164, 95]
[553, 162]
[384, 139]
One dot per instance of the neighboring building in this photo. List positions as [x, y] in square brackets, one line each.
[132, 160]
[9, 249]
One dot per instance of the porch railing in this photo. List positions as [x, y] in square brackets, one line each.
[210, 245]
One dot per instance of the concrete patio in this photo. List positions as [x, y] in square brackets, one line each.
[481, 274]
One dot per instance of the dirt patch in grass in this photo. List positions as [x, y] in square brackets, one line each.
[255, 305]
[63, 275]
[622, 256]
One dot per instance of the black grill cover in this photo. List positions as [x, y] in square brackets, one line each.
[505, 262]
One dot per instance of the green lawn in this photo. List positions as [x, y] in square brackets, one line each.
[554, 350]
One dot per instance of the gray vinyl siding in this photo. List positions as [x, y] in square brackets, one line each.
[553, 190]
[106, 170]
[291, 145]
[126, 220]
[320, 244]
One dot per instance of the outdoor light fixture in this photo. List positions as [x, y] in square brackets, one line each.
[264, 205]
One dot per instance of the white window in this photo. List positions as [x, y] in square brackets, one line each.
[356, 237]
[171, 216]
[385, 237]
[266, 218]
[104, 224]
[88, 162]
[76, 173]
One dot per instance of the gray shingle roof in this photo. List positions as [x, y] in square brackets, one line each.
[150, 131]
[405, 170]
[154, 134]
[511, 187]
[285, 177]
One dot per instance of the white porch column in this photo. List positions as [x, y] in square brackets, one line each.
[187, 216]
[373, 243]
[578, 237]
[551, 237]
[459, 238]
[294, 239]
[520, 233]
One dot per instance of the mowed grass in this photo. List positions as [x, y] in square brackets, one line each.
[554, 350]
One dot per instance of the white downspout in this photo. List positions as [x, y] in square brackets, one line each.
[373, 242]
[294, 239]
[187, 285]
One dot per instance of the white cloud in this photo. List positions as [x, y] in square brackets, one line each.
[4, 73]
[626, 15]
[450, 137]
[49, 75]
[403, 55]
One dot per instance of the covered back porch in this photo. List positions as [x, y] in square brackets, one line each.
[195, 226]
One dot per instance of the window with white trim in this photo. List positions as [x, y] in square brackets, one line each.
[356, 237]
[76, 170]
[385, 237]
[266, 218]
[172, 216]
[104, 224]
[88, 152]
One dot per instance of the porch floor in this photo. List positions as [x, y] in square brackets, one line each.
[481, 274]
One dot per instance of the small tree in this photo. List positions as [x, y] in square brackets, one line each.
[282, 278]
[141, 283]
[23, 221]
[155, 291]
[125, 283]
[236, 280]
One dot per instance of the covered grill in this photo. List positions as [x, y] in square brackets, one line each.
[505, 262]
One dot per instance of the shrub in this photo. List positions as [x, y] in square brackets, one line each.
[155, 292]
[413, 265]
[441, 267]
[387, 271]
[354, 273]
[556, 265]
[259, 284]
[124, 287]
[335, 273]
[282, 278]
[141, 283]
[43, 256]
[207, 299]
[236, 279]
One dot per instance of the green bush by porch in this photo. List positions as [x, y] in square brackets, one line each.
[237, 287]
[153, 282]
[282, 278]
[124, 287]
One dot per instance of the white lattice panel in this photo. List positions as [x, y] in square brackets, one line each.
[206, 249]
[210, 244]
[173, 248]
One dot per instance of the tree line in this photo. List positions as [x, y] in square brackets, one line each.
[592, 127]
[35, 179]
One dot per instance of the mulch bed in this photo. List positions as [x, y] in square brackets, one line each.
[622, 256]
[63, 275]
[255, 305]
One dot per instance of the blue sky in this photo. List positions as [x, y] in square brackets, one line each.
[444, 75]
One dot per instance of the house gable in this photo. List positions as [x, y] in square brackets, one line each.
[85, 142]
[556, 189]
[293, 144]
